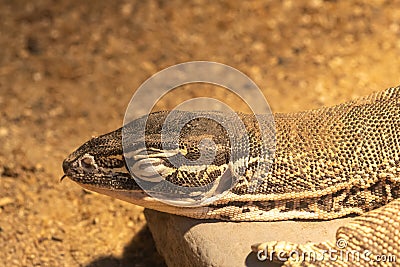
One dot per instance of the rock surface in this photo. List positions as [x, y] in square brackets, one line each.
[189, 242]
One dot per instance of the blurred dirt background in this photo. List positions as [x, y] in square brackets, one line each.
[68, 70]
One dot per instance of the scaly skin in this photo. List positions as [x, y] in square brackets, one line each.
[327, 163]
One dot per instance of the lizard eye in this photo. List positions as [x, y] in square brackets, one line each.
[87, 162]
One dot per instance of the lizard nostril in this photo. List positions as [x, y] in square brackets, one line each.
[87, 162]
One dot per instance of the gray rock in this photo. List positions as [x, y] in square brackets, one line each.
[188, 242]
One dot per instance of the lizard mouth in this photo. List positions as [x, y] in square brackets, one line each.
[131, 195]
[99, 177]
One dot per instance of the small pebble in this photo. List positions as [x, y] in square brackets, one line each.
[5, 201]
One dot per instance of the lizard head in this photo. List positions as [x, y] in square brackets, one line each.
[100, 162]
[112, 163]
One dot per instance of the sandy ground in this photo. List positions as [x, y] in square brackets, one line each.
[68, 70]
